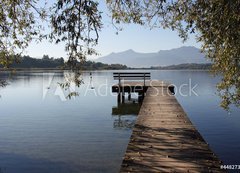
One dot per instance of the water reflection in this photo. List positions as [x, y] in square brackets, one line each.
[90, 133]
[40, 132]
[127, 108]
[125, 114]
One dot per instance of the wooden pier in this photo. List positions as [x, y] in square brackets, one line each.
[138, 87]
[163, 138]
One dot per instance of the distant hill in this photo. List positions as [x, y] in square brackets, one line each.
[182, 55]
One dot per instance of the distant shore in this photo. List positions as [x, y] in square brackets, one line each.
[59, 69]
[195, 67]
[27, 63]
[29, 69]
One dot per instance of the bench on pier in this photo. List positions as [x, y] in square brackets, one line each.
[124, 84]
[132, 76]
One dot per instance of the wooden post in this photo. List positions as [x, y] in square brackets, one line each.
[140, 97]
[119, 89]
[119, 79]
[129, 95]
[123, 92]
[119, 97]
[123, 97]
[144, 79]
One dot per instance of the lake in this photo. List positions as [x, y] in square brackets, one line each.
[43, 132]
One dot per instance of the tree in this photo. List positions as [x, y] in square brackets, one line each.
[19, 24]
[77, 23]
[45, 57]
[216, 24]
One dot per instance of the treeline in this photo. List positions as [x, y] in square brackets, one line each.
[27, 62]
[188, 66]
[91, 65]
[45, 62]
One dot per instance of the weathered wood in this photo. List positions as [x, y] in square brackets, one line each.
[138, 86]
[131, 76]
[165, 140]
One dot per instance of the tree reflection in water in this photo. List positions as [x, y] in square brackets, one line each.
[125, 114]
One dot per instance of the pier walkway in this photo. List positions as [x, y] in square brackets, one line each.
[164, 139]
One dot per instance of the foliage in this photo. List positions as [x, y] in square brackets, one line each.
[191, 66]
[3, 83]
[77, 23]
[29, 62]
[18, 25]
[215, 22]
[72, 79]
[26, 62]
[91, 65]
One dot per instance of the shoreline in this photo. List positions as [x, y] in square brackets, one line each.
[59, 69]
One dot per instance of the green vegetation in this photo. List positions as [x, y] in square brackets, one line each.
[191, 66]
[27, 62]
[45, 62]
[91, 65]
[216, 24]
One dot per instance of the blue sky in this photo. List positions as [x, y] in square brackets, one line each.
[138, 38]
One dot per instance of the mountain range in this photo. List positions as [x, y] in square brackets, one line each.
[130, 58]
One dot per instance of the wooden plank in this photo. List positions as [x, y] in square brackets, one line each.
[165, 140]
[116, 73]
[136, 86]
[152, 83]
[124, 77]
[132, 77]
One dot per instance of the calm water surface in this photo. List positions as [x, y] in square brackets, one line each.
[42, 132]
